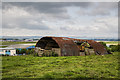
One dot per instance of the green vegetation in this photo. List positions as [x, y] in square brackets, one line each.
[111, 42]
[29, 66]
[26, 51]
[114, 48]
[104, 44]
[3, 46]
[93, 66]
[111, 48]
[50, 54]
[12, 42]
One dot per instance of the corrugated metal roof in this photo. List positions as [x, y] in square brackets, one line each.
[69, 47]
[98, 47]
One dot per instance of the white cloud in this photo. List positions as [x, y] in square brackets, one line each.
[100, 9]
[78, 19]
[0, 19]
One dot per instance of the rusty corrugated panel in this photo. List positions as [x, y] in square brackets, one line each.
[98, 47]
[68, 47]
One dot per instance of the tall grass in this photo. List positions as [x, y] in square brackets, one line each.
[94, 66]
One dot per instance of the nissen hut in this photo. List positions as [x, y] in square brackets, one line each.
[64, 46]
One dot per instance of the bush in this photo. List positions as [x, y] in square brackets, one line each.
[115, 48]
[2, 54]
[107, 48]
[47, 55]
[23, 51]
[26, 51]
[43, 54]
[36, 54]
[17, 51]
[32, 51]
[54, 54]
[48, 76]
[50, 54]
[104, 44]
[6, 55]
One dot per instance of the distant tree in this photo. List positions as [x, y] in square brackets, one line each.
[4, 39]
[27, 52]
[115, 48]
[104, 44]
[16, 39]
[17, 51]
[23, 51]
[107, 48]
[32, 51]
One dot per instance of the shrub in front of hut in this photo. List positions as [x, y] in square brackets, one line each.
[115, 48]
[50, 54]
[26, 51]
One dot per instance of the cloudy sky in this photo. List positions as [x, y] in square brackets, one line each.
[81, 19]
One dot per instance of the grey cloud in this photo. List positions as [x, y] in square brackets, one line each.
[105, 8]
[71, 22]
[50, 11]
[26, 26]
[54, 10]
[106, 25]
[0, 4]
[109, 5]
[46, 7]
[64, 28]
[39, 25]
[36, 27]
[24, 23]
[56, 13]
[100, 8]
[58, 8]
[0, 13]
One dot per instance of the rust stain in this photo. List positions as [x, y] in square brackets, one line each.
[69, 47]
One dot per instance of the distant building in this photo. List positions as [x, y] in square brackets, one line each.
[7, 51]
[28, 40]
[22, 46]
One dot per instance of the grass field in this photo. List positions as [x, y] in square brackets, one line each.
[111, 42]
[94, 66]
[12, 42]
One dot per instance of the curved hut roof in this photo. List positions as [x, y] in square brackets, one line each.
[68, 46]
[98, 47]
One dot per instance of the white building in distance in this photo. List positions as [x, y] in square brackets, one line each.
[8, 51]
